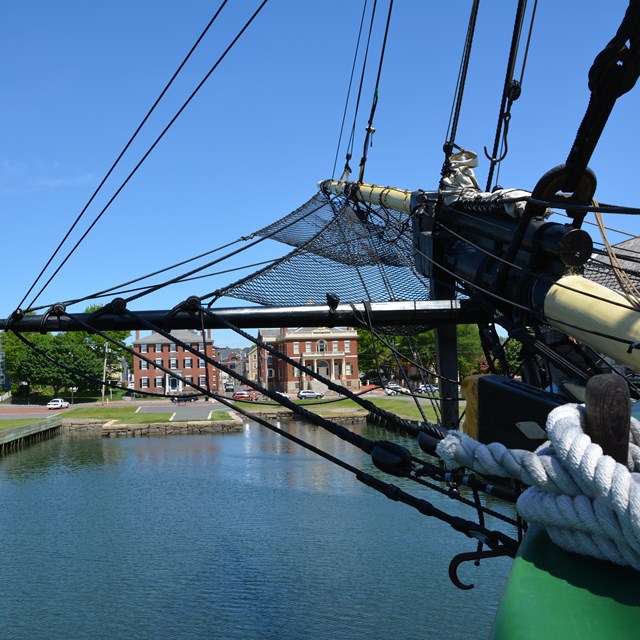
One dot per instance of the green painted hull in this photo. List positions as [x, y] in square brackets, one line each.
[555, 594]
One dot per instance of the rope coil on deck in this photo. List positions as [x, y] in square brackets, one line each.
[588, 503]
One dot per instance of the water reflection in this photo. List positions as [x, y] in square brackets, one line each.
[234, 536]
[68, 453]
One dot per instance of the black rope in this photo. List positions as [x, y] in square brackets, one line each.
[456, 106]
[347, 169]
[510, 93]
[124, 150]
[148, 152]
[350, 144]
[615, 71]
[370, 130]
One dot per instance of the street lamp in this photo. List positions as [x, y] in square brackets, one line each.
[73, 390]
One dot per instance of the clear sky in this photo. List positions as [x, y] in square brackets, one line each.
[78, 77]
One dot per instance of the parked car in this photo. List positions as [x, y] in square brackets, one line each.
[228, 387]
[393, 389]
[427, 388]
[374, 379]
[184, 399]
[305, 394]
[57, 403]
[249, 396]
[282, 394]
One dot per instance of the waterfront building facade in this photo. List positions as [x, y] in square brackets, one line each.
[183, 366]
[331, 352]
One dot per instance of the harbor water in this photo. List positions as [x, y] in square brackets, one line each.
[234, 536]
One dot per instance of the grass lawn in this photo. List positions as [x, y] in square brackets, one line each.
[128, 415]
[326, 407]
[12, 423]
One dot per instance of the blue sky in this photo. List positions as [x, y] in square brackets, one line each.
[78, 77]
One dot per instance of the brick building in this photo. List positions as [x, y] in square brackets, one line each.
[330, 351]
[184, 366]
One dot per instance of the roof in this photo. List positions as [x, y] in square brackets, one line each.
[183, 335]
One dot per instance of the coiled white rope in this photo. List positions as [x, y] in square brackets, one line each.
[588, 503]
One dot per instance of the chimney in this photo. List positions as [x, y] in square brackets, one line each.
[137, 334]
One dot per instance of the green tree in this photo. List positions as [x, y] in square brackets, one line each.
[82, 352]
[37, 366]
[420, 348]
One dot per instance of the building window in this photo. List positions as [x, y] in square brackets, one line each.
[255, 365]
[322, 346]
[188, 378]
[296, 347]
[173, 347]
[201, 346]
[307, 347]
[295, 373]
[173, 363]
[158, 361]
[157, 347]
[347, 346]
[336, 369]
[157, 382]
[270, 373]
[269, 359]
[144, 348]
[200, 363]
[144, 365]
[202, 380]
[348, 369]
[188, 363]
[144, 383]
[334, 346]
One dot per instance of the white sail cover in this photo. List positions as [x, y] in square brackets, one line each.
[459, 187]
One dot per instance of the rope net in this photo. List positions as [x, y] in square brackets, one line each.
[356, 252]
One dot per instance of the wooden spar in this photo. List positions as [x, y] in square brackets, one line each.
[391, 197]
[591, 313]
[429, 313]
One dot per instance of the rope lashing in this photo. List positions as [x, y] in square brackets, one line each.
[588, 503]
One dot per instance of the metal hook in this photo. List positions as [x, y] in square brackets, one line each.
[505, 144]
[475, 556]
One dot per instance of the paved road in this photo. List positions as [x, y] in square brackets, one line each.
[24, 411]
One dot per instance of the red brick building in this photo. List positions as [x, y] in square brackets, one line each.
[330, 351]
[184, 366]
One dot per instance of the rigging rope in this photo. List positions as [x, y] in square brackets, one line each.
[148, 152]
[588, 503]
[452, 127]
[121, 154]
[510, 92]
[347, 169]
[370, 130]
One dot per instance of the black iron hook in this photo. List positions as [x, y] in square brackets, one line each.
[474, 556]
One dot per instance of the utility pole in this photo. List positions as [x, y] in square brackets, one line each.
[104, 369]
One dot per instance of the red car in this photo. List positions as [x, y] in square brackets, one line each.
[245, 395]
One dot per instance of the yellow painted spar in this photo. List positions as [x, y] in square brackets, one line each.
[390, 197]
[591, 309]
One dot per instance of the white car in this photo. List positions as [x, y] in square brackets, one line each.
[57, 403]
[427, 388]
[393, 389]
[309, 393]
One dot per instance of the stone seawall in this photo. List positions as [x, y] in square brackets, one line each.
[112, 429]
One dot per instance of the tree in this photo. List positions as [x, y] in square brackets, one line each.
[81, 352]
[37, 365]
[374, 354]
